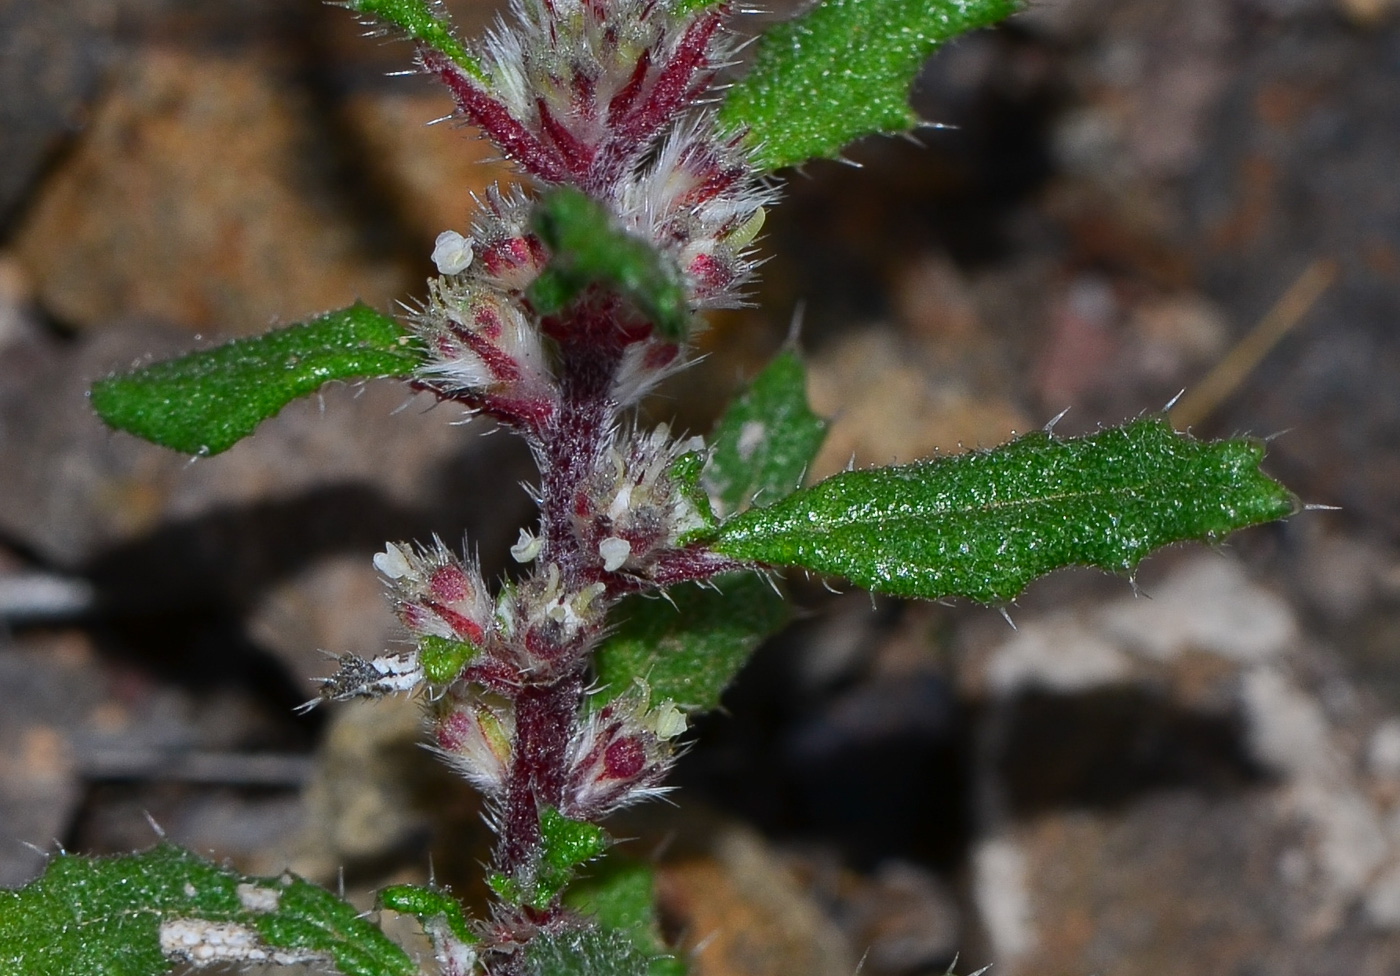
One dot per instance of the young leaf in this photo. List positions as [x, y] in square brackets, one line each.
[137, 914]
[843, 70]
[443, 658]
[207, 401]
[586, 248]
[422, 23]
[429, 905]
[762, 445]
[565, 843]
[984, 524]
[685, 475]
[690, 649]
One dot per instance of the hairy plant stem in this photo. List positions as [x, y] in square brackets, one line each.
[568, 448]
[543, 717]
[571, 445]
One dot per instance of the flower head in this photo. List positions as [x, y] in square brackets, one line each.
[620, 754]
[436, 594]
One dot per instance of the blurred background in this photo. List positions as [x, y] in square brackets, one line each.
[1126, 195]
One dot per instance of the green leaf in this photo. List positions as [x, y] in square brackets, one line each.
[761, 447]
[311, 918]
[428, 904]
[587, 248]
[585, 952]
[443, 658]
[984, 524]
[103, 917]
[685, 476]
[620, 897]
[684, 8]
[841, 71]
[565, 843]
[690, 651]
[422, 23]
[207, 401]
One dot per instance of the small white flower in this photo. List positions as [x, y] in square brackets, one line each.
[527, 547]
[669, 720]
[392, 562]
[614, 552]
[452, 253]
[621, 502]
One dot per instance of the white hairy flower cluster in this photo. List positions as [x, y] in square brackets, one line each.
[636, 506]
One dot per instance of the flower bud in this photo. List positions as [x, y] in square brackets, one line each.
[545, 622]
[474, 735]
[619, 755]
[437, 594]
[700, 201]
[452, 253]
[482, 341]
[579, 90]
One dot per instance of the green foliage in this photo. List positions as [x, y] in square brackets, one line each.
[564, 845]
[683, 7]
[443, 658]
[207, 401]
[620, 897]
[843, 70]
[586, 248]
[686, 474]
[763, 444]
[422, 23]
[688, 649]
[984, 524]
[103, 916]
[427, 905]
[568, 843]
[586, 952]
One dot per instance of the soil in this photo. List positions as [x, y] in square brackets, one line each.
[1203, 778]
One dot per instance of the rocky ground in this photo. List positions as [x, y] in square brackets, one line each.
[1203, 778]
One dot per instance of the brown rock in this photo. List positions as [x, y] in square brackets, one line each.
[196, 196]
[887, 407]
[335, 605]
[934, 302]
[743, 913]
[1180, 883]
[71, 718]
[901, 917]
[1182, 784]
[358, 804]
[429, 171]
